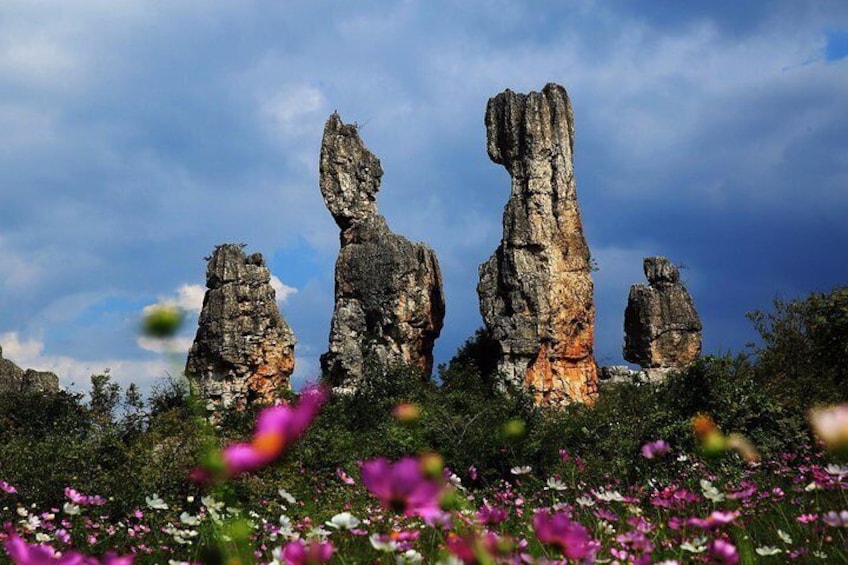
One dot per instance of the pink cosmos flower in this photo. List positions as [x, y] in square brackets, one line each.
[807, 518]
[276, 429]
[723, 552]
[345, 478]
[84, 500]
[570, 537]
[403, 486]
[302, 553]
[655, 449]
[7, 488]
[23, 553]
[491, 515]
[716, 519]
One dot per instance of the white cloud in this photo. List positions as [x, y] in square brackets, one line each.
[190, 297]
[177, 346]
[283, 290]
[28, 353]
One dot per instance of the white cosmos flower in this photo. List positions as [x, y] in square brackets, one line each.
[785, 537]
[768, 550]
[711, 492]
[41, 537]
[343, 521]
[188, 519]
[409, 556]
[155, 502]
[285, 495]
[585, 501]
[521, 470]
[70, 509]
[608, 496]
[837, 471]
[556, 484]
[696, 546]
[380, 545]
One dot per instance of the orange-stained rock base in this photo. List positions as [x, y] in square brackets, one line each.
[561, 380]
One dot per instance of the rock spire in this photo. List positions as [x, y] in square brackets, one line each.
[662, 330]
[244, 350]
[536, 291]
[389, 302]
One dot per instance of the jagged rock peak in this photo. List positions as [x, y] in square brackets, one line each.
[660, 270]
[349, 178]
[243, 351]
[662, 329]
[389, 302]
[536, 291]
[15, 379]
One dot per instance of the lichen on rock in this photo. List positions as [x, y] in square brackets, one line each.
[536, 292]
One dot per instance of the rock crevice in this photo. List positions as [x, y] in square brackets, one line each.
[16, 379]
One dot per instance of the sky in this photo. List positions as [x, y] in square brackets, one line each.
[137, 135]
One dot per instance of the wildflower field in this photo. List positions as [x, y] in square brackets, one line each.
[731, 461]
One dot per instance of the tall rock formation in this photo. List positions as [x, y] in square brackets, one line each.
[15, 379]
[389, 298]
[536, 292]
[244, 350]
[662, 330]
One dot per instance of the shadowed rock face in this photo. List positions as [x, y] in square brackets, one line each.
[244, 350]
[15, 379]
[389, 298]
[536, 292]
[661, 327]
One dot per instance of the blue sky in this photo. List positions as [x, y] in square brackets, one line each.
[135, 136]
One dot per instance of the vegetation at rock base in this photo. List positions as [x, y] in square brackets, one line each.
[519, 477]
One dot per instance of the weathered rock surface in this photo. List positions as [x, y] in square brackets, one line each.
[15, 379]
[661, 327]
[536, 291]
[389, 302]
[244, 350]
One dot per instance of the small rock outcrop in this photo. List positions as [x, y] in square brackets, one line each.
[389, 302]
[536, 291]
[662, 330]
[15, 379]
[244, 350]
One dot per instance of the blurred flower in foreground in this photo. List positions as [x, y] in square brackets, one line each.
[405, 486]
[560, 531]
[831, 426]
[23, 553]
[655, 449]
[277, 428]
[162, 320]
[303, 553]
[713, 442]
[723, 552]
[407, 412]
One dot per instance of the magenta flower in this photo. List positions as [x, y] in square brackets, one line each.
[277, 428]
[7, 488]
[723, 552]
[569, 536]
[403, 486]
[491, 515]
[655, 449]
[83, 500]
[23, 553]
[302, 553]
